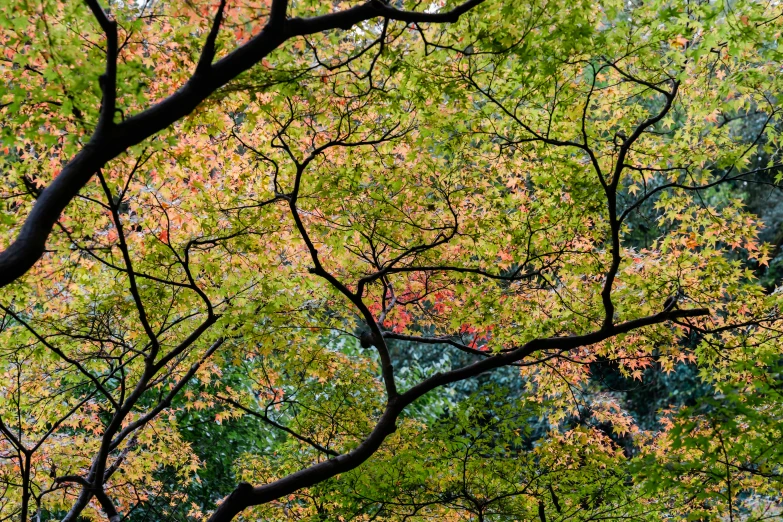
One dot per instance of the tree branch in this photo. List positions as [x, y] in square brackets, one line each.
[102, 147]
[245, 495]
[264, 417]
[208, 52]
[108, 80]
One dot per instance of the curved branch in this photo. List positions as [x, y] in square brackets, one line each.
[245, 495]
[110, 141]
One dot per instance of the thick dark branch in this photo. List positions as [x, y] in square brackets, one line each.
[76, 479]
[81, 502]
[100, 15]
[611, 199]
[208, 52]
[88, 490]
[107, 505]
[374, 9]
[30, 243]
[551, 343]
[108, 80]
[556, 354]
[111, 470]
[277, 11]
[246, 495]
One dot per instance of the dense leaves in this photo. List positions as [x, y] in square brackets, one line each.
[389, 261]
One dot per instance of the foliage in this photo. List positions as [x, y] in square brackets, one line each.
[354, 261]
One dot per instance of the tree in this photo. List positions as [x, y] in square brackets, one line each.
[363, 209]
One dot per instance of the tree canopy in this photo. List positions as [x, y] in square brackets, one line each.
[390, 260]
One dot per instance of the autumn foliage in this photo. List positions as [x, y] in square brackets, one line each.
[305, 260]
